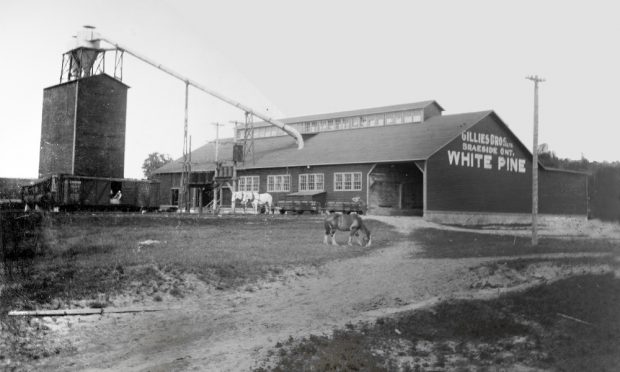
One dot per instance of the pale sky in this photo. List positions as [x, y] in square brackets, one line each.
[297, 58]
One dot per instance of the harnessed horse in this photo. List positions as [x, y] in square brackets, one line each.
[262, 199]
[345, 222]
[243, 196]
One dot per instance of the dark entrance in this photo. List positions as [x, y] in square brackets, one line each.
[396, 189]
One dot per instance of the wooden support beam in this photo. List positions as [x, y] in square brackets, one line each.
[77, 312]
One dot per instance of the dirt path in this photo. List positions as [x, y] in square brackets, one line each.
[230, 331]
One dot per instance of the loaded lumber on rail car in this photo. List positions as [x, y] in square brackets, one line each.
[68, 193]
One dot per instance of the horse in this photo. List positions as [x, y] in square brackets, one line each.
[243, 196]
[262, 199]
[345, 222]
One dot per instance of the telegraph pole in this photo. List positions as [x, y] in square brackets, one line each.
[217, 168]
[536, 80]
[186, 162]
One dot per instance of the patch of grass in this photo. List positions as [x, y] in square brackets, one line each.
[536, 329]
[321, 353]
[438, 243]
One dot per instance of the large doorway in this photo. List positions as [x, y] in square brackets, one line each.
[396, 189]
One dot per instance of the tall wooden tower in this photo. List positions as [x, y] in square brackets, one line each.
[83, 124]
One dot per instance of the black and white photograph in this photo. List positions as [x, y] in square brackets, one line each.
[309, 185]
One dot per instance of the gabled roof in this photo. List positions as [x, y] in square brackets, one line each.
[392, 143]
[367, 111]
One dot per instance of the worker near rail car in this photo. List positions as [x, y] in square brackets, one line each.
[116, 199]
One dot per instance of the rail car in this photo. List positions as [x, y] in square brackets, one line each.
[63, 192]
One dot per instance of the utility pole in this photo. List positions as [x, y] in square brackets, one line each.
[186, 162]
[217, 168]
[536, 80]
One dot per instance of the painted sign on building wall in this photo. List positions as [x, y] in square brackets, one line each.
[486, 151]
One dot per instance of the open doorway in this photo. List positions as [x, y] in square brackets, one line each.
[396, 189]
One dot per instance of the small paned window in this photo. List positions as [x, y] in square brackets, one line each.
[348, 181]
[248, 183]
[279, 183]
[417, 116]
[393, 118]
[311, 182]
[408, 117]
[364, 121]
[380, 119]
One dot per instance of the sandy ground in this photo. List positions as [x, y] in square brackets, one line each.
[233, 330]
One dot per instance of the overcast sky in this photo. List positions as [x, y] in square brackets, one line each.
[293, 58]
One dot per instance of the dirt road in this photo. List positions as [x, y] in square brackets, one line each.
[231, 330]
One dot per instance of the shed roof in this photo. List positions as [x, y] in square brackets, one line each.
[393, 143]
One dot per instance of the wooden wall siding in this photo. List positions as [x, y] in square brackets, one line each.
[562, 193]
[397, 186]
[168, 181]
[100, 127]
[430, 111]
[56, 151]
[453, 187]
[604, 189]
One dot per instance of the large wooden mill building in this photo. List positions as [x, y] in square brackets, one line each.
[401, 159]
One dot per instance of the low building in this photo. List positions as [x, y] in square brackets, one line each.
[404, 159]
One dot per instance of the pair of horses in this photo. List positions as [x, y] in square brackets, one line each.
[254, 198]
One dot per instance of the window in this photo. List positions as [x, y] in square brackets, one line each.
[417, 116]
[408, 117]
[281, 183]
[332, 125]
[311, 182]
[248, 183]
[348, 181]
[394, 118]
[375, 120]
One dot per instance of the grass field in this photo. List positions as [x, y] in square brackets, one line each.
[437, 243]
[86, 255]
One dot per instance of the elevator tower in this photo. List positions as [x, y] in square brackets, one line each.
[84, 116]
